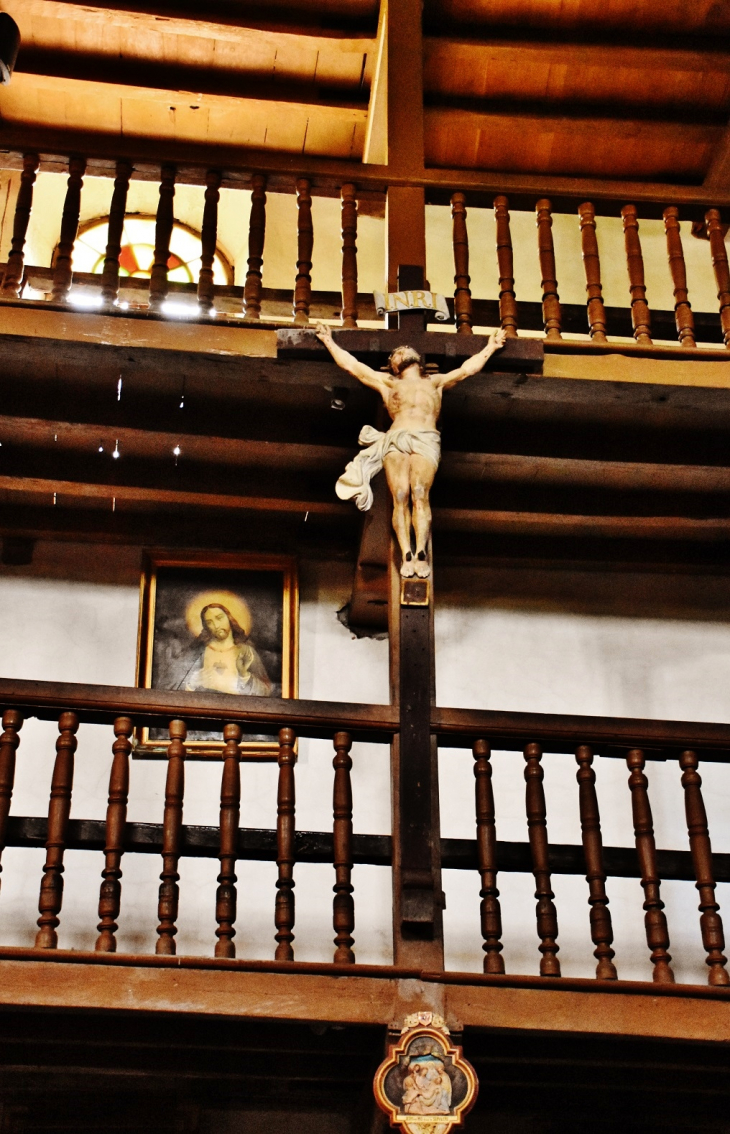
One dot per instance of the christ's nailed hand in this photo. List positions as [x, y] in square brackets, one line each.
[498, 338]
[324, 333]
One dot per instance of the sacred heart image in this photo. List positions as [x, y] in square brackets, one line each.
[425, 1086]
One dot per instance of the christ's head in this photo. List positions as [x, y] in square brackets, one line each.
[402, 358]
[218, 624]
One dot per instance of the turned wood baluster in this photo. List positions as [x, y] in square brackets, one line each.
[305, 243]
[117, 212]
[713, 938]
[51, 895]
[9, 741]
[462, 292]
[720, 265]
[225, 898]
[169, 892]
[547, 917]
[551, 314]
[657, 935]
[209, 239]
[62, 272]
[110, 894]
[507, 301]
[640, 316]
[285, 829]
[163, 232]
[349, 256]
[256, 235]
[590, 822]
[683, 316]
[491, 913]
[13, 278]
[592, 268]
[343, 909]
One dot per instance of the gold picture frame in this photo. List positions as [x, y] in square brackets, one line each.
[224, 622]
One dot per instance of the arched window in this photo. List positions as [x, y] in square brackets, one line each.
[138, 250]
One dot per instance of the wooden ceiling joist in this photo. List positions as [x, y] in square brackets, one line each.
[208, 23]
[502, 47]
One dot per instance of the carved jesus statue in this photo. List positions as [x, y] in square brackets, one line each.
[411, 449]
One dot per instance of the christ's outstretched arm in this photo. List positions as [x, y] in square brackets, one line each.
[473, 364]
[352, 365]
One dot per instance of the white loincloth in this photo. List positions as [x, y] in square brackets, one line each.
[355, 480]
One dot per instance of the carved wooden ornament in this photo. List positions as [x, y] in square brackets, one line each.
[425, 1085]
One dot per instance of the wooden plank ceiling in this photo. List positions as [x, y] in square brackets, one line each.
[599, 88]
[618, 89]
[295, 82]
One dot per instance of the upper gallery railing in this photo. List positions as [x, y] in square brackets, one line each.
[121, 710]
[251, 300]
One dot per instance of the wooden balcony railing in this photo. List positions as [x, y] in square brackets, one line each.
[251, 301]
[122, 709]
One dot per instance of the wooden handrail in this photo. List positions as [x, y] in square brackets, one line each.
[456, 727]
[101, 704]
[561, 733]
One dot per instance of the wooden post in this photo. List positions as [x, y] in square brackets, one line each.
[590, 822]
[51, 895]
[491, 913]
[343, 908]
[163, 232]
[550, 300]
[169, 892]
[256, 235]
[462, 293]
[209, 239]
[657, 935]
[225, 898]
[713, 938]
[117, 212]
[9, 741]
[635, 263]
[547, 917]
[720, 266]
[505, 262]
[285, 833]
[349, 313]
[305, 244]
[682, 309]
[13, 278]
[592, 268]
[110, 894]
[62, 272]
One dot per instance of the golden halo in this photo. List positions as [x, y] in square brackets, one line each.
[233, 604]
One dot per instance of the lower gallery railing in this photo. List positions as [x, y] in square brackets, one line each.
[122, 710]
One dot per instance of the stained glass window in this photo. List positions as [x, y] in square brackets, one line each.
[138, 251]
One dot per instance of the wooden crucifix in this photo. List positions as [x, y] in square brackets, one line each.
[411, 449]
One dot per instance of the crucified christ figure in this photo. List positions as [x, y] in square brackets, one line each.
[411, 449]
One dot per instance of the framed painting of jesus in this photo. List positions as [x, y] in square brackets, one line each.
[217, 623]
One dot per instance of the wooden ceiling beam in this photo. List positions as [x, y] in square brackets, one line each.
[496, 522]
[163, 498]
[502, 47]
[217, 23]
[563, 119]
[630, 476]
[165, 81]
[39, 87]
[86, 437]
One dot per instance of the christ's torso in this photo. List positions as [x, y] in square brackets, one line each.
[414, 403]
